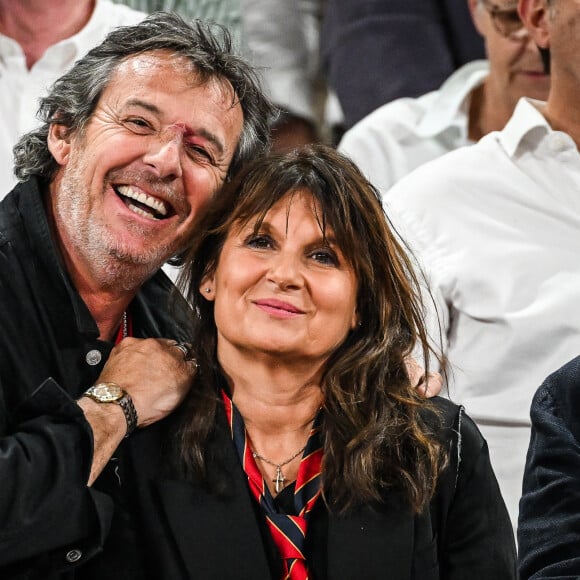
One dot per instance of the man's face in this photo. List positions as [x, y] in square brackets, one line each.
[132, 185]
[515, 65]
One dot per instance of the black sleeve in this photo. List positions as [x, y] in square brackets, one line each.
[549, 521]
[477, 540]
[50, 519]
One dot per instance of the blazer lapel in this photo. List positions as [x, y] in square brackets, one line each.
[218, 537]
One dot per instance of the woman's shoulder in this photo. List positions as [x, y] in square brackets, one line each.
[452, 423]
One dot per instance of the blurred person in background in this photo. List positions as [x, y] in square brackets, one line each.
[375, 51]
[478, 98]
[496, 228]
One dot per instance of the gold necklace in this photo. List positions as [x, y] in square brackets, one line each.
[280, 479]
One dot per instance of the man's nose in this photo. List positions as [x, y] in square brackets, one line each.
[164, 153]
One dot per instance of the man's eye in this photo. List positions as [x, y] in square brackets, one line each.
[138, 125]
[259, 242]
[199, 152]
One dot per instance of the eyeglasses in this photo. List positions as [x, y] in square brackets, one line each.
[506, 20]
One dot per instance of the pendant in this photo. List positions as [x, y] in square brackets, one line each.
[280, 479]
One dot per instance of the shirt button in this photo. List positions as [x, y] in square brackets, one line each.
[93, 357]
[558, 143]
[73, 556]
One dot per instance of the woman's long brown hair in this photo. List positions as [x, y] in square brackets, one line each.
[378, 433]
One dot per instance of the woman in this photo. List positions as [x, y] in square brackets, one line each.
[304, 451]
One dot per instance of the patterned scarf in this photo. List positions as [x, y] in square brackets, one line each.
[288, 531]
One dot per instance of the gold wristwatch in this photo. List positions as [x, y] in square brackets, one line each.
[113, 393]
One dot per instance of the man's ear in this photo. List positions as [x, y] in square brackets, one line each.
[59, 143]
[475, 11]
[535, 16]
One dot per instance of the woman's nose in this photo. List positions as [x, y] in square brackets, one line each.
[285, 270]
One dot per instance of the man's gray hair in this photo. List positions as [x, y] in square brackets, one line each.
[74, 96]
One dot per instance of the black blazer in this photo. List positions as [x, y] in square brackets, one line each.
[185, 532]
[549, 521]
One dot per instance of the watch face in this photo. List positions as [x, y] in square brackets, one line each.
[106, 393]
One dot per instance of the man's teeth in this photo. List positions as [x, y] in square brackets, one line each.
[142, 212]
[157, 206]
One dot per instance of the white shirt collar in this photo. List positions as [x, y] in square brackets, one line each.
[65, 52]
[452, 99]
[526, 117]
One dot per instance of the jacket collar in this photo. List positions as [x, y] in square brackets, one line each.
[219, 538]
[46, 267]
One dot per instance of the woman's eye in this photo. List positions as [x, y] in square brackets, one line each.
[327, 257]
[259, 242]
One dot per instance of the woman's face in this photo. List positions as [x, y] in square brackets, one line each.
[285, 290]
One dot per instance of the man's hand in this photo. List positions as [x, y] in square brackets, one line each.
[154, 372]
[156, 375]
[429, 385]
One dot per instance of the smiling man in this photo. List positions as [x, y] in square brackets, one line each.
[135, 141]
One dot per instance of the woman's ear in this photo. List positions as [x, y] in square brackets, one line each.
[207, 288]
[59, 143]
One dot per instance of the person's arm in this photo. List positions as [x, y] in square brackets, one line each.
[549, 521]
[477, 538]
[428, 271]
[50, 518]
[156, 376]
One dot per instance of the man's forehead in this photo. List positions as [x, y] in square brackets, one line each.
[158, 62]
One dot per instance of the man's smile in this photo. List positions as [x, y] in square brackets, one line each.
[143, 204]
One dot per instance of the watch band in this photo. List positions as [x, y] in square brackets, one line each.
[126, 403]
[113, 393]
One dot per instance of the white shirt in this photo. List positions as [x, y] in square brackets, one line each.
[281, 40]
[496, 227]
[404, 134]
[21, 88]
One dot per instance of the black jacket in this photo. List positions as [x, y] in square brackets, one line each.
[549, 521]
[49, 520]
[178, 530]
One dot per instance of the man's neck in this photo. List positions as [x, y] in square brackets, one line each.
[38, 24]
[107, 310]
[487, 112]
[563, 115]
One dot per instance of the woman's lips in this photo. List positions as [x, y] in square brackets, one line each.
[278, 308]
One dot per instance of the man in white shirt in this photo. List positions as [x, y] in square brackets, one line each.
[496, 227]
[477, 99]
[39, 41]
